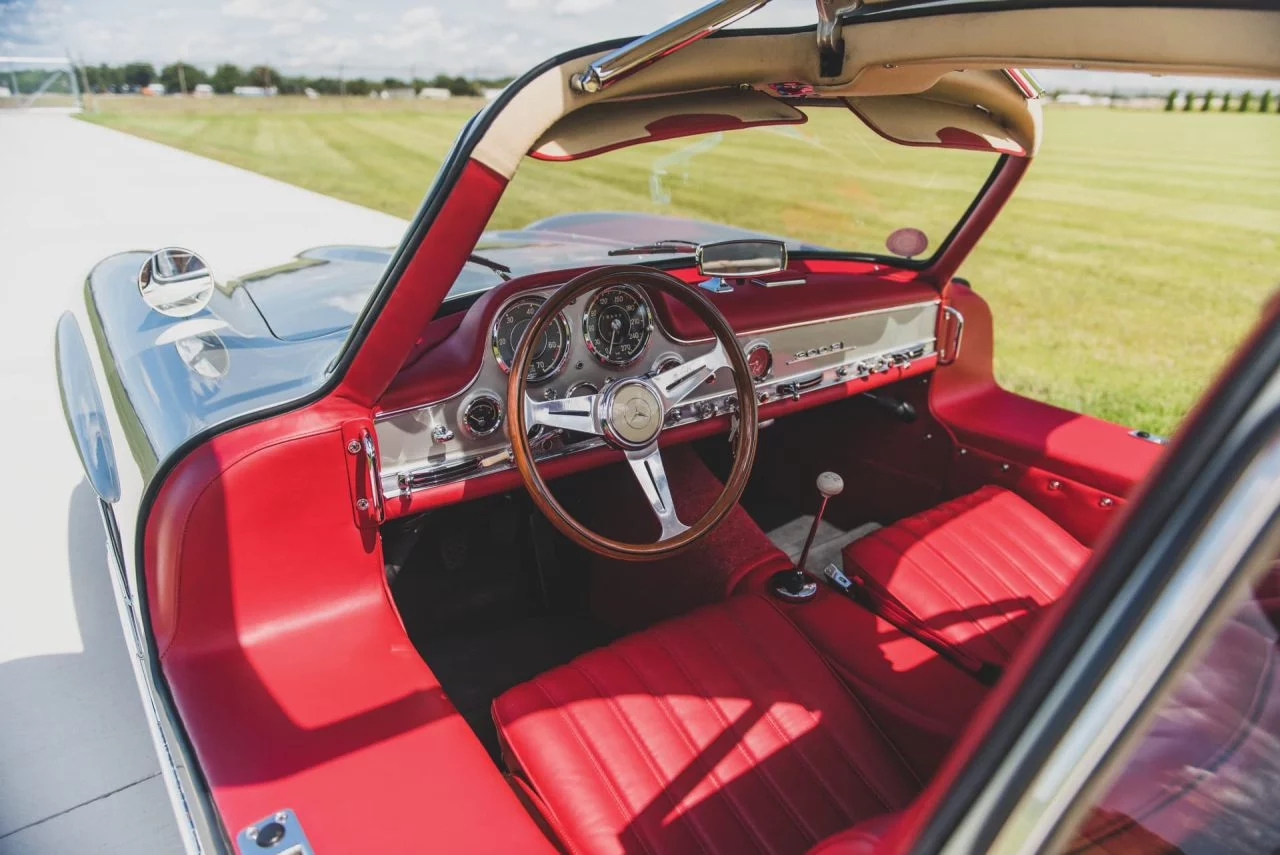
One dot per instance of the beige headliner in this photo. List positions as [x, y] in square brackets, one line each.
[934, 56]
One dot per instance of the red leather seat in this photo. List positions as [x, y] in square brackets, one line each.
[976, 570]
[720, 731]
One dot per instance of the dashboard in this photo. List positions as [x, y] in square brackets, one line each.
[623, 331]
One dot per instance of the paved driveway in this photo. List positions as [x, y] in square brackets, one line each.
[77, 769]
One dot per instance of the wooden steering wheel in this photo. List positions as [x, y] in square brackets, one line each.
[629, 414]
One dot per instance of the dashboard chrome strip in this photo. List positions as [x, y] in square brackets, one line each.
[748, 336]
[409, 479]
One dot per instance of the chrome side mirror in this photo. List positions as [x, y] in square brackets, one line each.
[739, 259]
[175, 282]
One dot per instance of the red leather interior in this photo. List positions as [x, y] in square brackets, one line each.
[720, 731]
[294, 679]
[976, 570]
[983, 416]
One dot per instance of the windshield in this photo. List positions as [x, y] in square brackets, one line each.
[829, 184]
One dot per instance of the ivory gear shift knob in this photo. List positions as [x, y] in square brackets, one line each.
[795, 585]
[830, 484]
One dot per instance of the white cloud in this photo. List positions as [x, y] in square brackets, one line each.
[579, 7]
[299, 11]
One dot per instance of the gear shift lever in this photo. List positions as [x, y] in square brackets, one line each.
[795, 585]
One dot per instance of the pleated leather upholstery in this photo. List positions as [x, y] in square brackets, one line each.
[977, 569]
[722, 731]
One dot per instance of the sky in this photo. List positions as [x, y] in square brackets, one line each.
[382, 38]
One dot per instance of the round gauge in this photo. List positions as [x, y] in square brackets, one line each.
[482, 415]
[666, 362]
[617, 325]
[582, 390]
[509, 328]
[759, 360]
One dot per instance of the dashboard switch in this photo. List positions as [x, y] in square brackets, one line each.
[441, 434]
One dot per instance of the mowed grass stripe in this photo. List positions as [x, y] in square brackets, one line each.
[1127, 267]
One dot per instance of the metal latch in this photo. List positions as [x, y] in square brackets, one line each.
[279, 833]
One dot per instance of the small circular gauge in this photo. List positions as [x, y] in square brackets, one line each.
[482, 415]
[617, 325]
[582, 389]
[759, 360]
[666, 362]
[509, 328]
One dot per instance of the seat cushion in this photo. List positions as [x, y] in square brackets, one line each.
[720, 731]
[976, 570]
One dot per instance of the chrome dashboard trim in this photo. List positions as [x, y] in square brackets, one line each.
[875, 341]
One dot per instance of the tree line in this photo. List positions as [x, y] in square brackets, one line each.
[183, 77]
[1245, 102]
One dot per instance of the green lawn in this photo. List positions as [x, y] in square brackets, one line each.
[1132, 260]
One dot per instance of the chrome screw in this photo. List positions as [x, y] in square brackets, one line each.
[1004, 467]
[1106, 502]
[282, 817]
[1055, 485]
[354, 446]
[963, 452]
[362, 504]
[251, 832]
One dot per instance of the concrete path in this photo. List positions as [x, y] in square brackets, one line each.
[77, 770]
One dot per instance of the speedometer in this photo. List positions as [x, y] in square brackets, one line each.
[509, 328]
[617, 326]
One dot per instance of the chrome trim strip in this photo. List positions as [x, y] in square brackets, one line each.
[951, 354]
[132, 632]
[797, 324]
[666, 40]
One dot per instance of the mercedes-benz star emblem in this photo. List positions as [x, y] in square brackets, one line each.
[638, 413]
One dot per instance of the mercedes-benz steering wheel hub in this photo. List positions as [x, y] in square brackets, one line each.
[631, 413]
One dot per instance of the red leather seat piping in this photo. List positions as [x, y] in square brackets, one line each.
[975, 570]
[720, 731]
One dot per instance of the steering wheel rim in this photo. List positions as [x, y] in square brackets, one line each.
[633, 397]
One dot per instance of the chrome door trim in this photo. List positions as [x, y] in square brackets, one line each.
[132, 630]
[1182, 613]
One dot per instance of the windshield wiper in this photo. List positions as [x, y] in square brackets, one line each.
[659, 247]
[500, 269]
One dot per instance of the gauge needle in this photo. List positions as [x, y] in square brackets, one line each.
[613, 333]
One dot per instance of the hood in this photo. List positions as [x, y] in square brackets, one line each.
[323, 290]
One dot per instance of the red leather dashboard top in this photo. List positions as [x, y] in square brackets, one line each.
[449, 351]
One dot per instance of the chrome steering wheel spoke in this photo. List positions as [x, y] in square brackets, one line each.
[676, 384]
[576, 414]
[646, 465]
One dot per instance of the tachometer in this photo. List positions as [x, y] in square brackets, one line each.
[617, 326]
[508, 329]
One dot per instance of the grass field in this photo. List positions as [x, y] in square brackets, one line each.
[1132, 260]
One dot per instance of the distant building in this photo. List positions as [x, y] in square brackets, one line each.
[5, 93]
[435, 93]
[490, 94]
[202, 90]
[311, 93]
[153, 89]
[403, 93]
[256, 91]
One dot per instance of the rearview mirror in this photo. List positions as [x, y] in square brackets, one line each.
[175, 282]
[738, 259]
